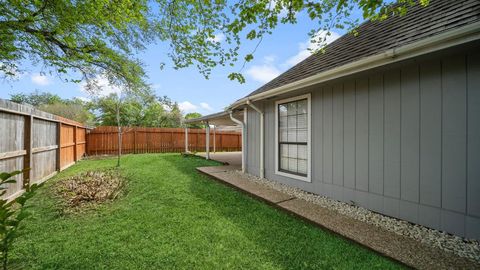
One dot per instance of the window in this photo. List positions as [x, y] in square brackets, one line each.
[293, 136]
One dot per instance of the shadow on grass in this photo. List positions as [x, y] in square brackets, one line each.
[275, 237]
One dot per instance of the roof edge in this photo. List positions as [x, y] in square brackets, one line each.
[438, 42]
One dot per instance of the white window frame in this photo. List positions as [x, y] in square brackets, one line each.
[307, 178]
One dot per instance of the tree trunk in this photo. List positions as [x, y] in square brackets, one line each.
[119, 135]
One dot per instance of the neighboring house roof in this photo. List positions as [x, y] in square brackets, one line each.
[375, 37]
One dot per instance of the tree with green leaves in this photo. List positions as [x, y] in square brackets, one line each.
[74, 109]
[192, 116]
[101, 38]
[36, 98]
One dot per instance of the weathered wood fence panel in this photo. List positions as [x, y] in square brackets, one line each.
[104, 140]
[33, 139]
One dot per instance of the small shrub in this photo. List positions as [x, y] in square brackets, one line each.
[90, 188]
[12, 213]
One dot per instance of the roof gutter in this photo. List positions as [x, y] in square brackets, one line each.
[438, 42]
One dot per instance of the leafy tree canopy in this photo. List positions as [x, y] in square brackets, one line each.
[138, 110]
[36, 98]
[95, 37]
[74, 109]
[192, 116]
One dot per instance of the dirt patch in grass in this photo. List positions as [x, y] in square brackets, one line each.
[89, 189]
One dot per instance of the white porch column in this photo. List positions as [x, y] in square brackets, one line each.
[186, 139]
[244, 138]
[207, 141]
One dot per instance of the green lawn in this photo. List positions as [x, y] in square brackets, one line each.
[174, 217]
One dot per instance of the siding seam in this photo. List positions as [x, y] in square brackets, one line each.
[354, 140]
[466, 146]
[343, 136]
[400, 138]
[419, 138]
[368, 134]
[441, 138]
[383, 134]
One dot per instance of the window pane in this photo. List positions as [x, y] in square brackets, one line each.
[291, 135]
[283, 135]
[292, 121]
[302, 152]
[282, 108]
[302, 106]
[302, 166]
[292, 150]
[292, 108]
[302, 121]
[302, 135]
[284, 150]
[292, 165]
[284, 164]
[283, 121]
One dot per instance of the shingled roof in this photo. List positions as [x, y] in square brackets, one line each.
[375, 37]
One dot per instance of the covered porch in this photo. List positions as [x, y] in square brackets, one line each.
[227, 120]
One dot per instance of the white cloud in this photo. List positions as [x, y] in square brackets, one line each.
[84, 99]
[103, 87]
[305, 48]
[156, 86]
[269, 59]
[206, 106]
[187, 107]
[263, 73]
[218, 37]
[40, 79]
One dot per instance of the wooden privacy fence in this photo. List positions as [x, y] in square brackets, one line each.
[104, 140]
[43, 142]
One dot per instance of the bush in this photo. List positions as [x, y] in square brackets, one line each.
[12, 213]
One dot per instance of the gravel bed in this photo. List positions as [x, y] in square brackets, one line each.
[451, 243]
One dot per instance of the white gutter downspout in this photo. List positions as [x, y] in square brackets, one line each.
[262, 139]
[244, 161]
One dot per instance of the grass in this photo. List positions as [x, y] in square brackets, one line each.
[174, 217]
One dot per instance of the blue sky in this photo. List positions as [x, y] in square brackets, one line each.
[278, 52]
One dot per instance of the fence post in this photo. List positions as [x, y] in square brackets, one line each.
[59, 146]
[75, 144]
[27, 142]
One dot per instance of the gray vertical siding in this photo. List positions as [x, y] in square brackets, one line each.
[403, 141]
[253, 141]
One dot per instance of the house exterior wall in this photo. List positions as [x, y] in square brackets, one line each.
[403, 141]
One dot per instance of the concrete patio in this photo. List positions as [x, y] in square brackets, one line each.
[405, 250]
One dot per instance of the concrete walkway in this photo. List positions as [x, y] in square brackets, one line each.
[230, 158]
[400, 248]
